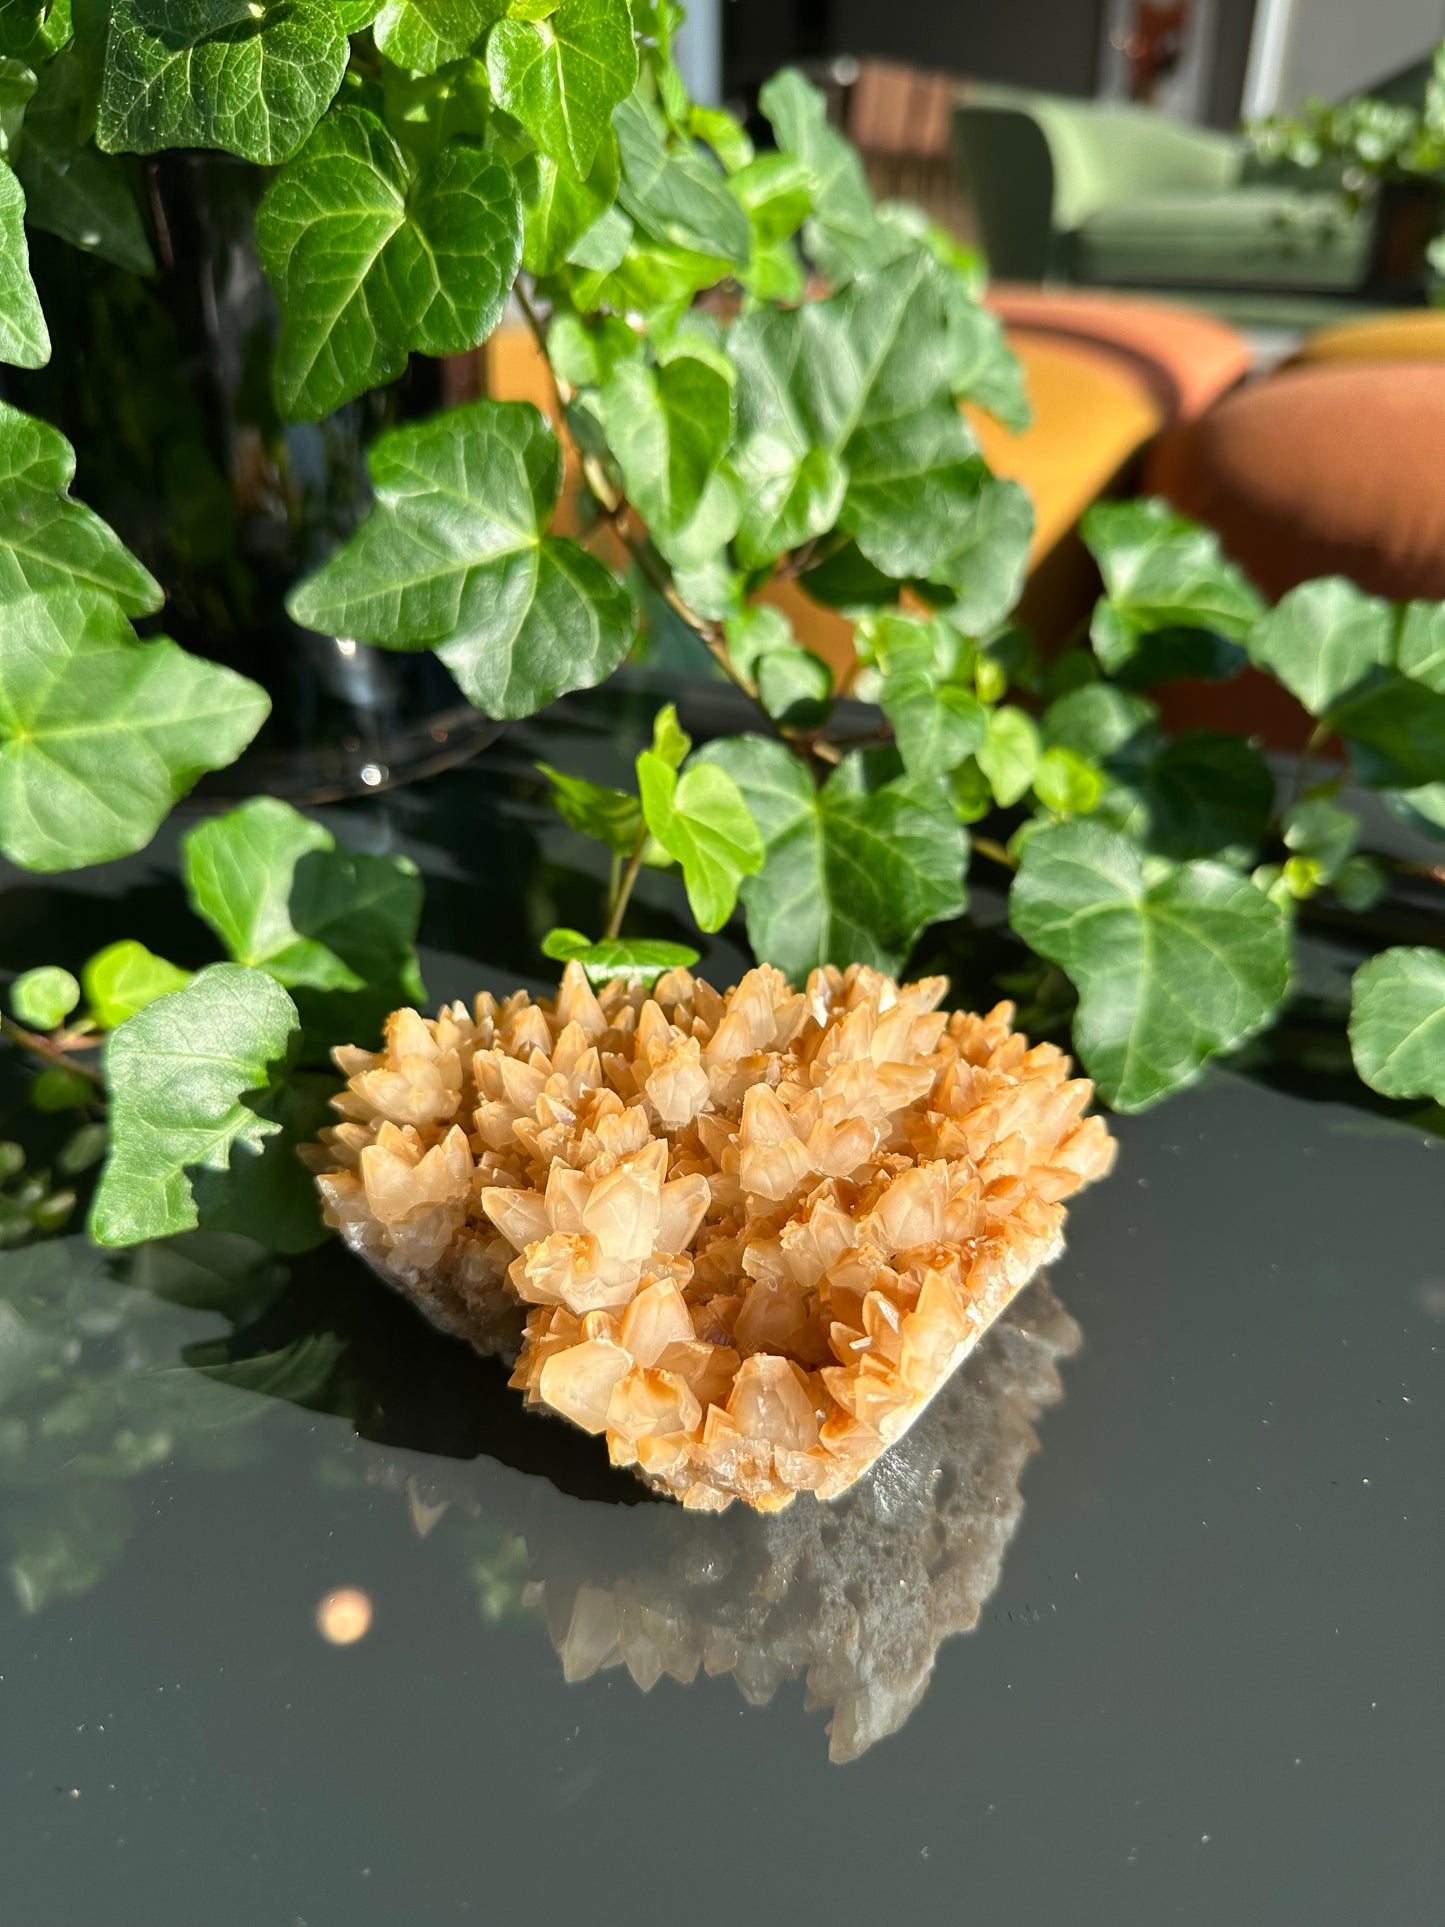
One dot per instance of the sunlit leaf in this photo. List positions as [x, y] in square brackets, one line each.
[24, 337]
[852, 874]
[1172, 963]
[125, 977]
[335, 927]
[250, 76]
[1323, 638]
[702, 818]
[675, 193]
[1172, 605]
[179, 1074]
[1397, 1023]
[44, 997]
[101, 734]
[558, 210]
[422, 35]
[370, 259]
[609, 816]
[561, 77]
[454, 557]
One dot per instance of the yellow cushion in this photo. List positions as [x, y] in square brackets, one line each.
[1417, 335]
[1090, 416]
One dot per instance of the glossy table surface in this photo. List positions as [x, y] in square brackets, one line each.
[1141, 1625]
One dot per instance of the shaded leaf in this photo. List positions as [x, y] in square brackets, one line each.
[702, 819]
[927, 692]
[1395, 728]
[178, 1074]
[1172, 963]
[618, 956]
[49, 541]
[250, 76]
[453, 557]
[561, 77]
[24, 337]
[607, 815]
[283, 898]
[71, 189]
[370, 259]
[851, 874]
[101, 734]
[1397, 1023]
[1203, 794]
[125, 977]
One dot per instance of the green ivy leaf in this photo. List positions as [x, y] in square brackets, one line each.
[48, 541]
[852, 874]
[17, 90]
[252, 77]
[927, 693]
[422, 35]
[646, 958]
[844, 236]
[1324, 638]
[43, 998]
[608, 816]
[101, 734]
[668, 426]
[1395, 728]
[125, 977]
[1397, 1023]
[676, 195]
[558, 210]
[562, 77]
[1099, 721]
[795, 687]
[846, 412]
[670, 740]
[71, 189]
[1321, 829]
[24, 337]
[1067, 783]
[179, 1074]
[337, 928]
[986, 371]
[1163, 575]
[1172, 963]
[1201, 795]
[1009, 754]
[702, 819]
[370, 260]
[453, 557]
[1420, 644]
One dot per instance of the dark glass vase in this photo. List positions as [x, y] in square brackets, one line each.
[162, 383]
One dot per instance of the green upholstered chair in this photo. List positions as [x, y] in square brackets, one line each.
[1078, 191]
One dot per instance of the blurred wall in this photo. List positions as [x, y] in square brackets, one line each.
[1337, 47]
[1052, 44]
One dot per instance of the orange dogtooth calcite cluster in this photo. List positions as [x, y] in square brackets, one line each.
[752, 1234]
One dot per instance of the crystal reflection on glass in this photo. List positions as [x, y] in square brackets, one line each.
[855, 1596]
[181, 1359]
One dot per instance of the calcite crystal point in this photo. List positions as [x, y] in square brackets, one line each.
[752, 1234]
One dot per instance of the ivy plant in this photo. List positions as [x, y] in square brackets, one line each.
[761, 384]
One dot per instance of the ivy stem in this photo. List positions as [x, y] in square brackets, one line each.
[995, 852]
[624, 891]
[53, 1050]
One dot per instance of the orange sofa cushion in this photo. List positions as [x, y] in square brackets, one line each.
[1416, 335]
[1187, 360]
[1330, 470]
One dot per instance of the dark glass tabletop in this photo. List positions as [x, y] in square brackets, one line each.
[305, 1622]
